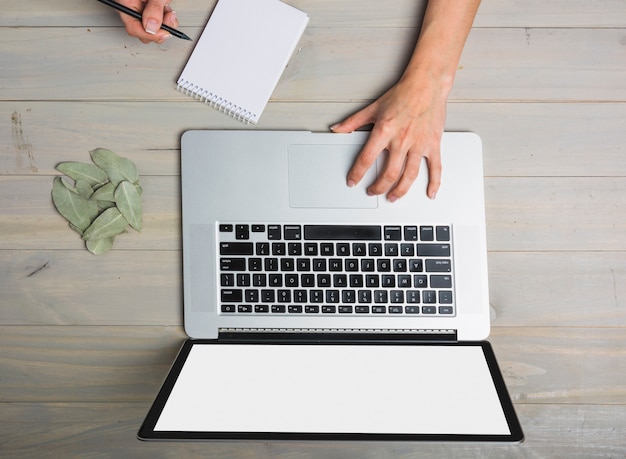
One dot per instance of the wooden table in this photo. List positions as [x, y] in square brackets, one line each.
[85, 341]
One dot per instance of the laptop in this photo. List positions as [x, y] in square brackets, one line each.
[315, 311]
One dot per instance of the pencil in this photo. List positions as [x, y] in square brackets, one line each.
[137, 15]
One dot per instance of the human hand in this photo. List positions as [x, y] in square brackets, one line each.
[408, 122]
[155, 13]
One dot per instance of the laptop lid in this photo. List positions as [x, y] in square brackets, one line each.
[333, 391]
[297, 177]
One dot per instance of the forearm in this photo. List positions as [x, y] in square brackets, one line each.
[437, 53]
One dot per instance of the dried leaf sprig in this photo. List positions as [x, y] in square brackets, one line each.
[103, 201]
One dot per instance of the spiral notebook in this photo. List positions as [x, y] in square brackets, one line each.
[241, 55]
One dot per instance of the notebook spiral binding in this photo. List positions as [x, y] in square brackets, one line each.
[215, 101]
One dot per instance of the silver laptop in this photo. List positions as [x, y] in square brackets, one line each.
[317, 311]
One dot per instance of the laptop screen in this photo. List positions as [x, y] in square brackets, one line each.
[338, 391]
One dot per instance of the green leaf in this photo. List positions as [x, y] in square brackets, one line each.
[84, 189]
[75, 208]
[104, 193]
[129, 204]
[117, 168]
[109, 224]
[100, 246]
[90, 173]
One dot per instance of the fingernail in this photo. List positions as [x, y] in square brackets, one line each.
[433, 195]
[152, 26]
[392, 198]
[334, 126]
[351, 183]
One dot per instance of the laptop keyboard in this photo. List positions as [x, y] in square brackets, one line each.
[336, 269]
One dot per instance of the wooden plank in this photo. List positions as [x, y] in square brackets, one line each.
[402, 13]
[51, 430]
[128, 364]
[330, 64]
[518, 139]
[136, 287]
[523, 214]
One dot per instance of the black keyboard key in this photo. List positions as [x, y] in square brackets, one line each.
[441, 281]
[283, 296]
[255, 264]
[323, 280]
[442, 233]
[257, 228]
[446, 310]
[412, 309]
[271, 264]
[274, 232]
[433, 250]
[279, 309]
[375, 249]
[429, 310]
[228, 308]
[251, 296]
[236, 248]
[310, 309]
[244, 308]
[391, 250]
[416, 266]
[287, 264]
[259, 280]
[395, 309]
[367, 265]
[343, 249]
[388, 281]
[427, 233]
[332, 296]
[413, 296]
[352, 265]
[348, 296]
[345, 309]
[295, 309]
[293, 232]
[268, 296]
[420, 281]
[327, 249]
[393, 233]
[261, 308]
[407, 250]
[429, 297]
[294, 249]
[310, 249]
[438, 266]
[242, 232]
[404, 281]
[233, 264]
[243, 280]
[410, 233]
[300, 296]
[358, 249]
[364, 296]
[316, 296]
[319, 264]
[445, 297]
[399, 265]
[226, 228]
[327, 309]
[381, 296]
[335, 264]
[356, 280]
[275, 280]
[372, 280]
[262, 248]
[303, 264]
[362, 309]
[383, 265]
[307, 280]
[379, 309]
[291, 280]
[279, 249]
[227, 280]
[396, 296]
[342, 233]
[340, 280]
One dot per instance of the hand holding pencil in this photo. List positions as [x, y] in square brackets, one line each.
[153, 20]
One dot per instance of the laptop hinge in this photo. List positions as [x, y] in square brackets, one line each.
[335, 335]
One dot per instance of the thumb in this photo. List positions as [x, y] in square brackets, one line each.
[153, 16]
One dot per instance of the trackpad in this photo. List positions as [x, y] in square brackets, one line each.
[317, 178]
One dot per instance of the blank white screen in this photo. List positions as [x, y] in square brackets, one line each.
[334, 389]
